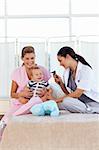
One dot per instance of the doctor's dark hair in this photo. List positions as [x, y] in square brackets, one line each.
[27, 49]
[68, 50]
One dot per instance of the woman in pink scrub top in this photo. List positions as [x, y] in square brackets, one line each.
[20, 78]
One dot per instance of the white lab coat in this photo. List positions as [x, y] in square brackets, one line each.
[84, 80]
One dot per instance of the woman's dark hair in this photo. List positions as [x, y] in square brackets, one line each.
[27, 49]
[68, 50]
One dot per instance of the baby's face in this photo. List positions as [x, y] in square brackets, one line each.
[37, 75]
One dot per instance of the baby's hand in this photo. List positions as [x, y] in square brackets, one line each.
[50, 91]
[41, 92]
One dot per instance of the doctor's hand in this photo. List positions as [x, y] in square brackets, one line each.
[57, 79]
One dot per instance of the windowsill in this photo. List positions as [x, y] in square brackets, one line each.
[4, 105]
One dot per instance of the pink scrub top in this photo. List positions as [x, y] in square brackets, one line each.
[21, 78]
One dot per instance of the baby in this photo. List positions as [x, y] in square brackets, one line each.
[48, 107]
[37, 83]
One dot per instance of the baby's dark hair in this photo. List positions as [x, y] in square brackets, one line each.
[68, 50]
[36, 68]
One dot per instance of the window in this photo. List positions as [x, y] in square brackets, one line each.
[2, 27]
[2, 6]
[85, 26]
[40, 27]
[34, 7]
[85, 6]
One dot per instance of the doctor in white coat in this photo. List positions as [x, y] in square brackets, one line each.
[78, 85]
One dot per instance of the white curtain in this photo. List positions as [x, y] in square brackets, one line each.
[7, 65]
[90, 51]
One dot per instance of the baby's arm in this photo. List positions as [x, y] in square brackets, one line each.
[44, 97]
[48, 92]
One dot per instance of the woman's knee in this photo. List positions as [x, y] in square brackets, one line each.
[74, 105]
[65, 103]
[68, 101]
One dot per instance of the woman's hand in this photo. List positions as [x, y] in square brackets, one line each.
[57, 79]
[23, 100]
[27, 93]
